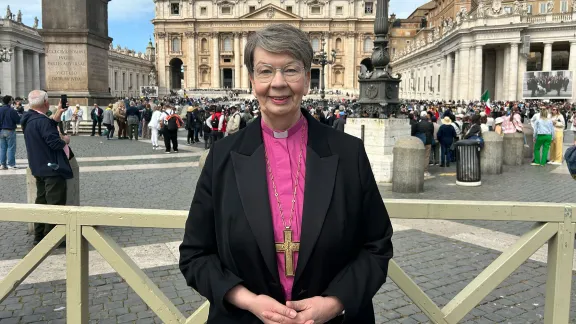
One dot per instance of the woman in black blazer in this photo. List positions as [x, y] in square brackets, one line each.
[230, 249]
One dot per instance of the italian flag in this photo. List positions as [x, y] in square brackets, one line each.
[486, 99]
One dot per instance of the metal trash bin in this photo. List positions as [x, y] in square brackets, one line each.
[468, 171]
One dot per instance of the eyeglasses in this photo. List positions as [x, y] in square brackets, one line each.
[265, 73]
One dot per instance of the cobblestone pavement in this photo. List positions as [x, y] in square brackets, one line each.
[441, 266]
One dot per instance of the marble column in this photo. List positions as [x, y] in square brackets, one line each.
[477, 94]
[192, 66]
[215, 61]
[499, 76]
[448, 78]
[547, 57]
[456, 82]
[244, 82]
[237, 64]
[464, 76]
[513, 70]
[19, 57]
[572, 67]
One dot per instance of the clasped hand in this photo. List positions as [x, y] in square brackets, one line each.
[315, 310]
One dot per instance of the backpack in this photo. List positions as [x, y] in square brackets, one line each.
[173, 122]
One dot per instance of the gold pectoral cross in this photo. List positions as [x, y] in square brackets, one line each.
[288, 247]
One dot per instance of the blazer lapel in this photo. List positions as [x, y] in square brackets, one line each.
[321, 167]
[250, 170]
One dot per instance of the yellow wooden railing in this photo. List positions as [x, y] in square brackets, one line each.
[79, 226]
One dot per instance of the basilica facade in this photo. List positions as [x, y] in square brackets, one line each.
[200, 44]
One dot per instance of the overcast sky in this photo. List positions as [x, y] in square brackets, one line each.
[129, 23]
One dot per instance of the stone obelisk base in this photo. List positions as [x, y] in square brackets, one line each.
[379, 137]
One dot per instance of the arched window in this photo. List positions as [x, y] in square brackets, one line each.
[176, 44]
[367, 45]
[315, 44]
[338, 44]
[204, 45]
[227, 44]
[204, 76]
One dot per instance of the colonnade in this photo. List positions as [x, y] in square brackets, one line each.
[24, 72]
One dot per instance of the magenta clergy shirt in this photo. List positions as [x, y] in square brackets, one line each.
[283, 149]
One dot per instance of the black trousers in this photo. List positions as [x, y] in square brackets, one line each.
[133, 131]
[99, 122]
[170, 136]
[111, 129]
[49, 191]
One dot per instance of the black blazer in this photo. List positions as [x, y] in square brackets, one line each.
[346, 232]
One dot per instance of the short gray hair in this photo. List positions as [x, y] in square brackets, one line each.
[279, 38]
[37, 98]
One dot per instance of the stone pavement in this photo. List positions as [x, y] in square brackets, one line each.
[441, 265]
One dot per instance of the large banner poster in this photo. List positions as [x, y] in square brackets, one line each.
[149, 91]
[547, 85]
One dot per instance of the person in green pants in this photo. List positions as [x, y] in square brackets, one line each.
[544, 132]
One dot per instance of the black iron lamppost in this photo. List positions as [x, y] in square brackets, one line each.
[5, 54]
[321, 58]
[378, 88]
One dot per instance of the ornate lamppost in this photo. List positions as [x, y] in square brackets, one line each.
[5, 54]
[321, 58]
[378, 88]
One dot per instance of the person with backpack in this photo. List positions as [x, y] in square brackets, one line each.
[171, 123]
[236, 121]
[218, 124]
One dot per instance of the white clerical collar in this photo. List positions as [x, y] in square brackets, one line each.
[287, 133]
[280, 134]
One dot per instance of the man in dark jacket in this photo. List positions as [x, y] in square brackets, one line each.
[9, 118]
[425, 131]
[97, 114]
[340, 122]
[48, 155]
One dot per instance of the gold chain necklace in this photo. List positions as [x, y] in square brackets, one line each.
[303, 132]
[288, 247]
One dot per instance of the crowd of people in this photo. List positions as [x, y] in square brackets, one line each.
[440, 124]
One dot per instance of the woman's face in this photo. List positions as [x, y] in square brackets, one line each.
[278, 97]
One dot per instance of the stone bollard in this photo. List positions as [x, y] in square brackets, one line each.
[203, 159]
[72, 189]
[513, 149]
[491, 154]
[529, 150]
[408, 165]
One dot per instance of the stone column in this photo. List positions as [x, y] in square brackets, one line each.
[505, 73]
[448, 78]
[521, 69]
[442, 89]
[547, 57]
[572, 67]
[192, 66]
[244, 82]
[215, 61]
[463, 73]
[513, 66]
[19, 57]
[470, 74]
[456, 84]
[237, 64]
[350, 61]
[478, 73]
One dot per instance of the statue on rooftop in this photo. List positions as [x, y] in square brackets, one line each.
[8, 13]
[35, 26]
[19, 17]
